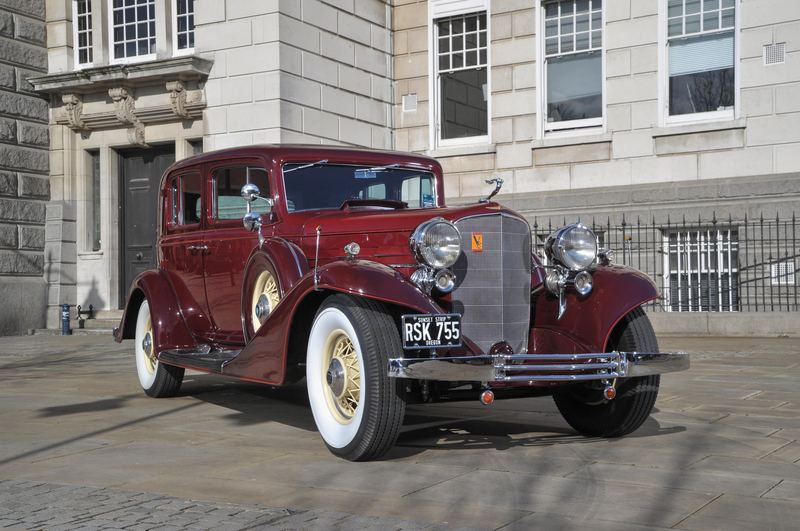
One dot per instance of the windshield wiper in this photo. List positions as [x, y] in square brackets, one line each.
[379, 168]
[318, 163]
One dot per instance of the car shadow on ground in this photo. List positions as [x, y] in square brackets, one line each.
[253, 404]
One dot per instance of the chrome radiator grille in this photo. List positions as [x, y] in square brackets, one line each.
[493, 286]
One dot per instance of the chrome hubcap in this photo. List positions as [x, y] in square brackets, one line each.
[335, 377]
[262, 308]
[147, 344]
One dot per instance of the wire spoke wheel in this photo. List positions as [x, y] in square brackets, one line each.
[265, 298]
[358, 409]
[158, 380]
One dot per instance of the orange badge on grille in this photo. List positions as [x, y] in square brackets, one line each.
[477, 242]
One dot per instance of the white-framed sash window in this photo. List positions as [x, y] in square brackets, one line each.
[572, 64]
[183, 27]
[82, 33]
[460, 81]
[699, 58]
[132, 26]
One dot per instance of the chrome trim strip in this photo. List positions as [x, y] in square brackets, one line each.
[497, 368]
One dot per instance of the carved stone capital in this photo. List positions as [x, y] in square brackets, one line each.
[73, 107]
[123, 104]
[177, 95]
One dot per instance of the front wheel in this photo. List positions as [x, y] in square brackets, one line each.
[358, 409]
[583, 405]
[158, 379]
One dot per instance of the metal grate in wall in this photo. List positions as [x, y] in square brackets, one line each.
[775, 54]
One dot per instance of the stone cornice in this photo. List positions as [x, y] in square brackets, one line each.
[187, 68]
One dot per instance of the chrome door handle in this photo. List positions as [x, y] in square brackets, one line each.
[197, 248]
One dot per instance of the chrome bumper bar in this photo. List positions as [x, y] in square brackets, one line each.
[540, 367]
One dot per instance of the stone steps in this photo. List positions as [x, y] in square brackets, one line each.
[103, 322]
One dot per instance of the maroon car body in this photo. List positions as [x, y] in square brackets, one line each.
[336, 263]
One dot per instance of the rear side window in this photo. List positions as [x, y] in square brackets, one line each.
[185, 200]
[228, 183]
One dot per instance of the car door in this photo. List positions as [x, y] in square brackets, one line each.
[183, 250]
[228, 243]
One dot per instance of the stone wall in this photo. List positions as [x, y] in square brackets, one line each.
[299, 71]
[24, 166]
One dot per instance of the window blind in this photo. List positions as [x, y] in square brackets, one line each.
[701, 54]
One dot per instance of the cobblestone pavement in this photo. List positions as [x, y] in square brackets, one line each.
[49, 507]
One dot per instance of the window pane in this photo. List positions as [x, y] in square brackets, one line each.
[582, 23]
[582, 6]
[711, 21]
[701, 92]
[551, 28]
[728, 3]
[574, 87]
[566, 44]
[566, 26]
[228, 183]
[444, 45]
[471, 23]
[710, 5]
[551, 10]
[693, 24]
[551, 46]
[597, 39]
[464, 104]
[566, 7]
[458, 61]
[472, 58]
[190, 199]
[597, 20]
[728, 18]
[675, 27]
[692, 7]
[582, 41]
[444, 62]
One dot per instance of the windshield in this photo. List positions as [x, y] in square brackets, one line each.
[319, 185]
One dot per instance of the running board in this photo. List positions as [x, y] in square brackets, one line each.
[203, 359]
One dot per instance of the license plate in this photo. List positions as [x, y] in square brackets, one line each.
[432, 331]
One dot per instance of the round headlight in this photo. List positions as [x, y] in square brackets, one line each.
[573, 246]
[437, 243]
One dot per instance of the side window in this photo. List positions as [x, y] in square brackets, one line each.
[228, 182]
[573, 64]
[185, 200]
[418, 192]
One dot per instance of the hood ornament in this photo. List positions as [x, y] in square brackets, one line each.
[499, 183]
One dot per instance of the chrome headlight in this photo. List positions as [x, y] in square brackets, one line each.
[436, 243]
[573, 247]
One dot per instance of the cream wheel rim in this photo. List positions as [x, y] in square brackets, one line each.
[265, 297]
[147, 347]
[341, 374]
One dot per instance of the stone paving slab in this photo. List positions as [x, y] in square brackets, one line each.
[722, 444]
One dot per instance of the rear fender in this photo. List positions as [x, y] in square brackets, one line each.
[589, 320]
[169, 328]
[265, 358]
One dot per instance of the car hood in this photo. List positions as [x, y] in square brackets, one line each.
[369, 220]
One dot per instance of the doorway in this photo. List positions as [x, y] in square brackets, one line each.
[140, 176]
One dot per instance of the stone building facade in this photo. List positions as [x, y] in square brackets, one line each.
[24, 165]
[654, 109]
[138, 84]
[620, 62]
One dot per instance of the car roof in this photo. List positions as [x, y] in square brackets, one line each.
[305, 152]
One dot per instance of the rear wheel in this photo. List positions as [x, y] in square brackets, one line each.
[583, 405]
[158, 379]
[358, 409]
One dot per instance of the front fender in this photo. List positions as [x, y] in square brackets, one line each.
[265, 356]
[169, 328]
[589, 320]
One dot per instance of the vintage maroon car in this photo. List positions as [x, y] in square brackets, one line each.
[344, 267]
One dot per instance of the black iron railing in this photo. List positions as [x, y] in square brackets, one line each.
[710, 266]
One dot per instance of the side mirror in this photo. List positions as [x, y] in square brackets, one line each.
[250, 192]
[252, 220]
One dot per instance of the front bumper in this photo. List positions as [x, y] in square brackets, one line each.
[540, 367]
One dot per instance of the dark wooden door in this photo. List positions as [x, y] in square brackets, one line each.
[141, 171]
